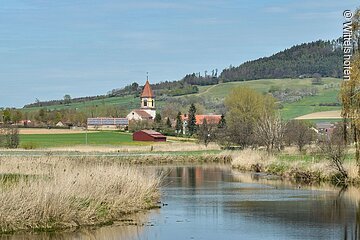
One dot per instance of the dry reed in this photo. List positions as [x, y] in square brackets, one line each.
[151, 147]
[300, 169]
[52, 193]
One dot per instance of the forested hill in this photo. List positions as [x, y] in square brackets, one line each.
[322, 57]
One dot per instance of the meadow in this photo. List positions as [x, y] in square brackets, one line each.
[85, 138]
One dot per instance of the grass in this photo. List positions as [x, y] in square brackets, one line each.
[93, 138]
[129, 102]
[310, 104]
[71, 192]
[221, 90]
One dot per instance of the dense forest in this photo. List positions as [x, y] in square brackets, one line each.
[320, 57]
[323, 58]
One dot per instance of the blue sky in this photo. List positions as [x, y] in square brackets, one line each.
[51, 48]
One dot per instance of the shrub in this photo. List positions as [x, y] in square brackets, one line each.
[29, 145]
[9, 137]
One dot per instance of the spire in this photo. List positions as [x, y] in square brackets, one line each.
[147, 92]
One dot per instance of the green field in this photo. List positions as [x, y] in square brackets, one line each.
[126, 101]
[93, 138]
[311, 104]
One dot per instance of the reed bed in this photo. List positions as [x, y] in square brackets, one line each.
[303, 170]
[149, 147]
[54, 193]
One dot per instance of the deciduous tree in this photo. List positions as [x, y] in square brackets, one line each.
[299, 133]
[350, 94]
[245, 107]
[269, 130]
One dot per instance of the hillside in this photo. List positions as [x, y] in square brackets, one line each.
[325, 98]
[320, 57]
[210, 99]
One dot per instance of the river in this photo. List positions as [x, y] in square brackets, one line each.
[216, 202]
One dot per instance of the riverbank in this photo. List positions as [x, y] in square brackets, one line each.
[45, 194]
[300, 168]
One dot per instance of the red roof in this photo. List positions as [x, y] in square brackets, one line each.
[147, 92]
[143, 114]
[153, 133]
[148, 135]
[210, 119]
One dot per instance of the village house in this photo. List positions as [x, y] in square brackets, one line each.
[24, 123]
[324, 127]
[147, 110]
[60, 124]
[210, 119]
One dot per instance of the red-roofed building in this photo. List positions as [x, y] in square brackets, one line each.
[139, 114]
[210, 119]
[148, 135]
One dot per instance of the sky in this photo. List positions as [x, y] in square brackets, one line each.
[50, 48]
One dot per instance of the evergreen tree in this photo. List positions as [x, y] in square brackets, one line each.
[168, 123]
[222, 122]
[192, 120]
[157, 122]
[157, 118]
[179, 123]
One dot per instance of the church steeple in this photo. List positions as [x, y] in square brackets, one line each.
[147, 96]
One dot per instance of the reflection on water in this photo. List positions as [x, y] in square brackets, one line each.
[214, 202]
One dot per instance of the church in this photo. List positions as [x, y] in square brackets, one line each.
[147, 110]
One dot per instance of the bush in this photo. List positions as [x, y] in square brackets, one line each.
[9, 137]
[29, 145]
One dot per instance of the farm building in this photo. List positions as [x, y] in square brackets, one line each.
[148, 135]
[107, 123]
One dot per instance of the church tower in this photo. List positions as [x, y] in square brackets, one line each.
[147, 97]
[148, 100]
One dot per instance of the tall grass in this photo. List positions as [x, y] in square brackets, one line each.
[146, 147]
[298, 167]
[69, 193]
